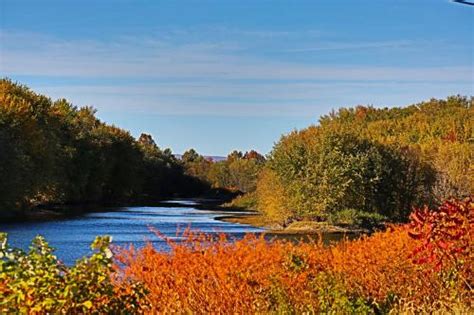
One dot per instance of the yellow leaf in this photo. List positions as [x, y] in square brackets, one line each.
[87, 304]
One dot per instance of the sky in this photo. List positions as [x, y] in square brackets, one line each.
[223, 75]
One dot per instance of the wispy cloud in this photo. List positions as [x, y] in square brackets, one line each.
[217, 77]
[324, 46]
[150, 57]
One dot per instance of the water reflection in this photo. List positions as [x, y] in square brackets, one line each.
[131, 225]
[72, 236]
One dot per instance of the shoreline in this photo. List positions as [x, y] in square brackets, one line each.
[44, 212]
[204, 203]
[302, 227]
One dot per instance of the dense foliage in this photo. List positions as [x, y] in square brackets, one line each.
[372, 275]
[422, 267]
[379, 161]
[38, 283]
[53, 152]
[238, 172]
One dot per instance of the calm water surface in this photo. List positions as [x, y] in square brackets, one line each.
[72, 236]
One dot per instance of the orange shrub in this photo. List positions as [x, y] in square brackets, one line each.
[372, 274]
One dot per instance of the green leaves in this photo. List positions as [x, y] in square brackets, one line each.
[101, 243]
[38, 282]
[54, 152]
[382, 161]
[3, 241]
[239, 172]
[325, 172]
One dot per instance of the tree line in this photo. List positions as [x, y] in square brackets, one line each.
[54, 152]
[368, 161]
[360, 162]
[237, 173]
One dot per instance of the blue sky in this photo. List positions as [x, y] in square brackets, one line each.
[224, 75]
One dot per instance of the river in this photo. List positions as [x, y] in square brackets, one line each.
[72, 236]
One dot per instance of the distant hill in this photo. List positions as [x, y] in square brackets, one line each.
[215, 158]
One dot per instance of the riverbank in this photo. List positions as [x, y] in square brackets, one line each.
[246, 273]
[60, 211]
[354, 224]
[211, 200]
[300, 227]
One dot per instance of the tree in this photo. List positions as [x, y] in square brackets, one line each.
[54, 152]
[324, 172]
[191, 156]
[254, 155]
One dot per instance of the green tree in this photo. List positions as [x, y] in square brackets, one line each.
[54, 152]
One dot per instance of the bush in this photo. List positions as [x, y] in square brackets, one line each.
[353, 217]
[422, 267]
[37, 282]
[320, 173]
[376, 274]
[382, 161]
[246, 201]
[271, 199]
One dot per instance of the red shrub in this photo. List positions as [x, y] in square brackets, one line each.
[390, 269]
[445, 235]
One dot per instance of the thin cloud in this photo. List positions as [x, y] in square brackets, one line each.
[215, 78]
[328, 46]
[245, 99]
[153, 58]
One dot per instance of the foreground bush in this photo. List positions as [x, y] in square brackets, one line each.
[422, 267]
[375, 274]
[36, 282]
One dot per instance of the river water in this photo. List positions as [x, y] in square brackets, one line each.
[71, 237]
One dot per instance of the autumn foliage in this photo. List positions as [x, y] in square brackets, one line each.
[387, 271]
[421, 267]
[36, 282]
[52, 152]
[371, 160]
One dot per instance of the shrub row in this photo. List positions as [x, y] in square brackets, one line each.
[424, 266]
